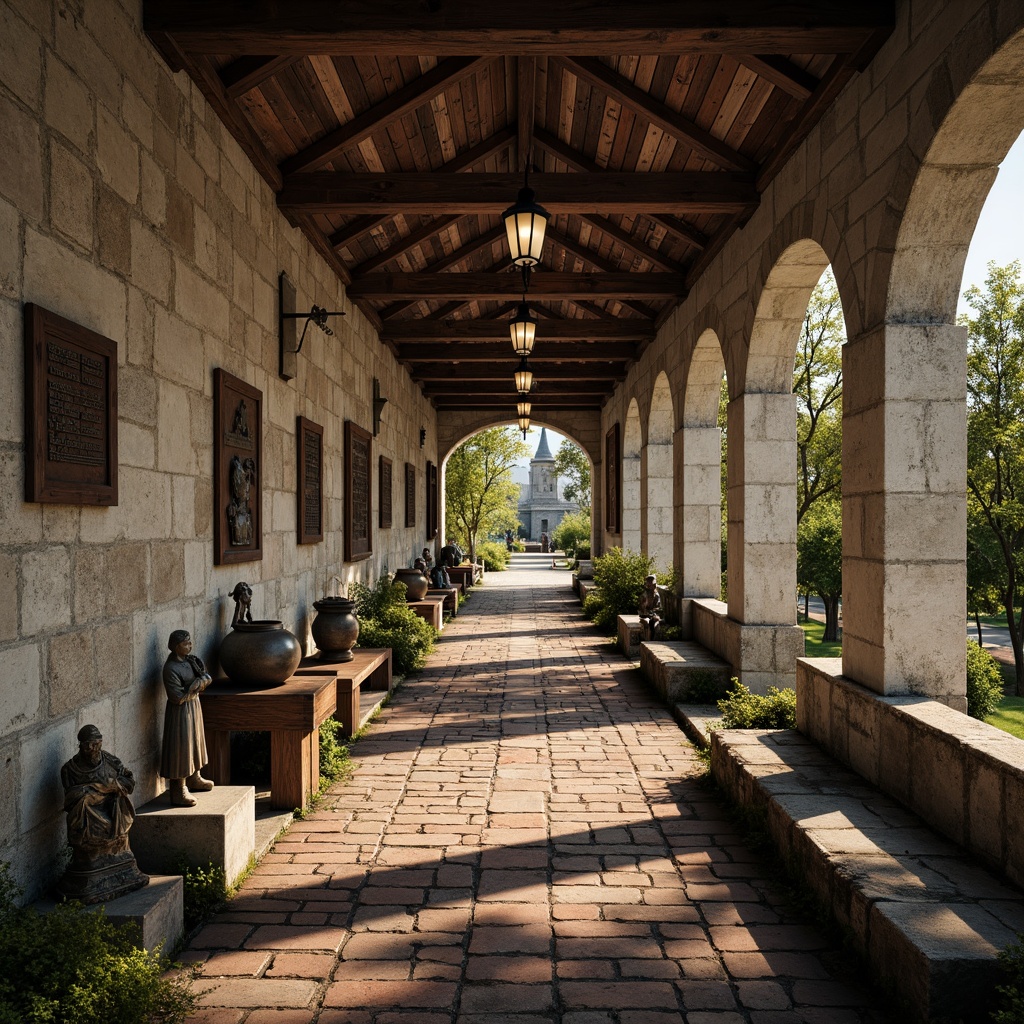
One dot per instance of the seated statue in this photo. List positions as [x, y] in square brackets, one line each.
[451, 554]
[97, 798]
[184, 748]
[650, 609]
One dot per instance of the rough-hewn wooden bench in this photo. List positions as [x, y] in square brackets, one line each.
[461, 574]
[676, 668]
[291, 712]
[369, 670]
[451, 598]
[431, 610]
[630, 634]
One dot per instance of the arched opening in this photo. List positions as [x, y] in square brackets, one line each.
[632, 445]
[660, 475]
[699, 556]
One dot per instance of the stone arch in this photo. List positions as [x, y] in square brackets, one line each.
[699, 518]
[660, 474]
[632, 450]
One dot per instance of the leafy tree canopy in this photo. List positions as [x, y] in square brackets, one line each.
[573, 466]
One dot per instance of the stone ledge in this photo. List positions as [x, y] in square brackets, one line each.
[928, 920]
[587, 587]
[674, 667]
[630, 633]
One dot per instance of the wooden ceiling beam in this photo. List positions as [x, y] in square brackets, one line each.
[634, 245]
[526, 72]
[246, 73]
[680, 228]
[781, 72]
[569, 330]
[553, 403]
[436, 193]
[369, 27]
[417, 92]
[668, 120]
[547, 351]
[471, 388]
[455, 257]
[471, 287]
[457, 372]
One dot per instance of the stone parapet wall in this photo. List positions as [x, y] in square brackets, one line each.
[965, 778]
[127, 207]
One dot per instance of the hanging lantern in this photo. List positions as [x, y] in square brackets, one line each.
[525, 224]
[524, 425]
[523, 409]
[524, 377]
[522, 329]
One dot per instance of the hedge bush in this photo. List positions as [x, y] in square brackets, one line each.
[73, 966]
[742, 709]
[984, 682]
[493, 556]
[385, 620]
[619, 577]
[572, 533]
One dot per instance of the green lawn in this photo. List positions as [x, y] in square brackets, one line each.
[813, 645]
[1009, 716]
[999, 621]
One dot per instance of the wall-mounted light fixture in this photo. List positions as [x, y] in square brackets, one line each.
[287, 325]
[379, 401]
[423, 436]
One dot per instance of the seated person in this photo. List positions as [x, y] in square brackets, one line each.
[650, 609]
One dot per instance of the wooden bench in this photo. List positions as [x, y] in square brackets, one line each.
[463, 574]
[630, 634]
[451, 598]
[675, 667]
[369, 669]
[291, 712]
[431, 610]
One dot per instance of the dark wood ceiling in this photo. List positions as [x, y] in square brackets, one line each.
[395, 132]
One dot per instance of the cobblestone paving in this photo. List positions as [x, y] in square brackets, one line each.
[523, 841]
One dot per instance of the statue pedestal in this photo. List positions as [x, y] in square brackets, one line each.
[220, 829]
[156, 909]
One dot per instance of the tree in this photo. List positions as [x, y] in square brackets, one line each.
[984, 569]
[819, 560]
[572, 532]
[573, 466]
[480, 495]
[818, 386]
[995, 432]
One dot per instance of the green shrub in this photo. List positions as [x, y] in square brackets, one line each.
[592, 604]
[371, 600]
[335, 762]
[493, 555]
[620, 577]
[73, 966]
[205, 890]
[1011, 960]
[742, 709]
[984, 682]
[400, 628]
[583, 551]
[572, 532]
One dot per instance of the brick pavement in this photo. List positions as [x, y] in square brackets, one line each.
[523, 841]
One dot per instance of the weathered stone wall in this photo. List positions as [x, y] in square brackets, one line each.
[126, 206]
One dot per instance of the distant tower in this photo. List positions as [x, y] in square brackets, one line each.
[541, 505]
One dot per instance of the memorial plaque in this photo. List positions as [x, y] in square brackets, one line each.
[237, 470]
[310, 437]
[358, 538]
[410, 494]
[70, 412]
[431, 501]
[612, 482]
[384, 501]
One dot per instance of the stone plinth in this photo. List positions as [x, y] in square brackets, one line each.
[587, 587]
[431, 610]
[677, 668]
[630, 633]
[218, 830]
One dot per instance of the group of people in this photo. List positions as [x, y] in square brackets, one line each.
[450, 555]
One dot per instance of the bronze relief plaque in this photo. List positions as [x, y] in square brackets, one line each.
[358, 535]
[384, 500]
[70, 412]
[410, 494]
[237, 470]
[310, 437]
[612, 481]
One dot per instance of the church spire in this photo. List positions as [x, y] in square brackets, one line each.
[543, 451]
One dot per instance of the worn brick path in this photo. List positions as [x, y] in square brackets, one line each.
[522, 842]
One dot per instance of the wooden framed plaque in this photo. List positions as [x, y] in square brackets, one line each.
[612, 481]
[358, 534]
[310, 437]
[384, 498]
[410, 494]
[431, 501]
[237, 470]
[70, 412]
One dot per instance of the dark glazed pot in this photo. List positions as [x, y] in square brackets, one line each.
[260, 653]
[416, 583]
[335, 628]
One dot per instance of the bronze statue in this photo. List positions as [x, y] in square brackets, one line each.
[650, 609]
[242, 596]
[97, 798]
[184, 748]
[241, 476]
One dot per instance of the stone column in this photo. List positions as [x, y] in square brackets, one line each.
[698, 511]
[597, 492]
[632, 539]
[658, 518]
[905, 510]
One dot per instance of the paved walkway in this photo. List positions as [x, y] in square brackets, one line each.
[523, 842]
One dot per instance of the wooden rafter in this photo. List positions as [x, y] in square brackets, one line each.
[526, 103]
[633, 244]
[417, 92]
[440, 193]
[546, 351]
[416, 331]
[506, 386]
[781, 72]
[246, 73]
[470, 287]
[500, 371]
[361, 27]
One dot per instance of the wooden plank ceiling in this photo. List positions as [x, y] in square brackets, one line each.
[396, 133]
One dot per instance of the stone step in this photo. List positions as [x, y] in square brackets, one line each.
[925, 916]
[681, 669]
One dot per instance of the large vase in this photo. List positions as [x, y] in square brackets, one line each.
[416, 584]
[260, 653]
[335, 628]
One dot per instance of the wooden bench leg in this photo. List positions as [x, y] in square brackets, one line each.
[218, 749]
[347, 711]
[290, 759]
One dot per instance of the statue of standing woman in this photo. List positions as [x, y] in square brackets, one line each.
[184, 750]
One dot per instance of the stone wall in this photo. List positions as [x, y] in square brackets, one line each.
[126, 206]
